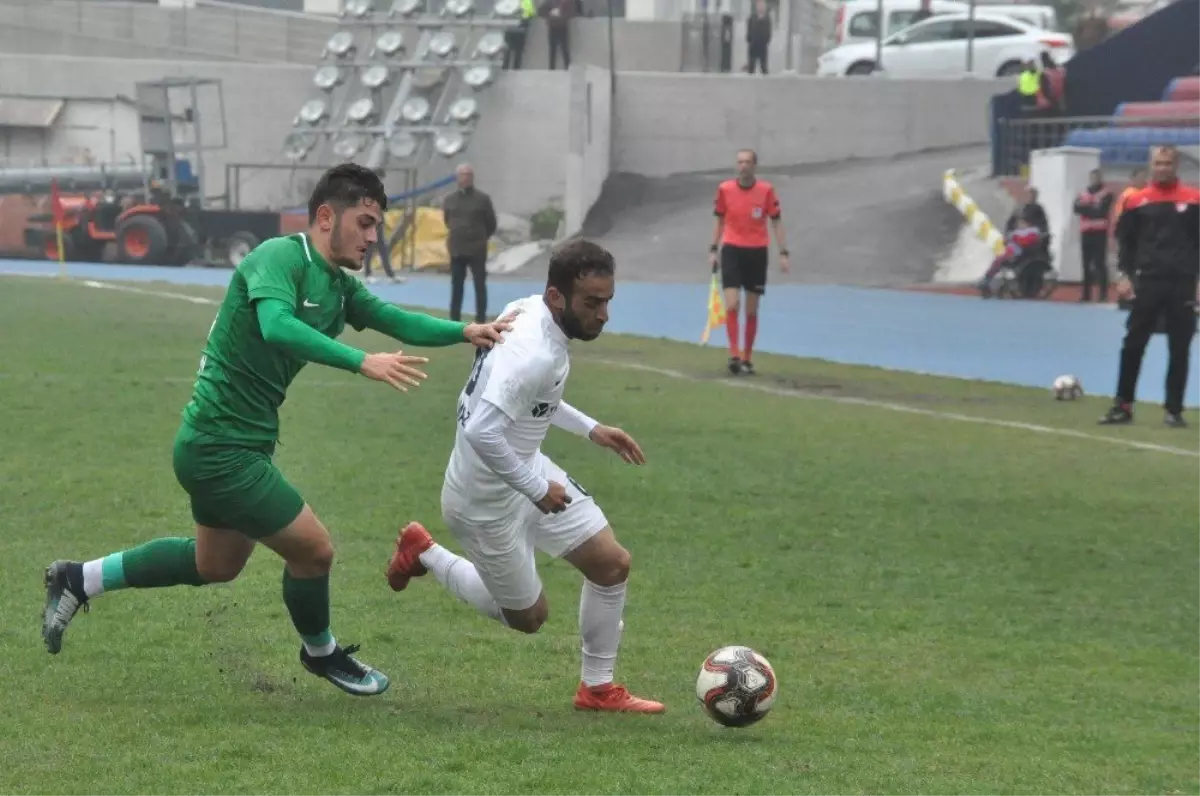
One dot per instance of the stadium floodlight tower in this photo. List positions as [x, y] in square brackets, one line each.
[389, 105]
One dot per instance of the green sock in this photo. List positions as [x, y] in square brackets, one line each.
[307, 600]
[161, 562]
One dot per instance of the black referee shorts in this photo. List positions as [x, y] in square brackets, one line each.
[744, 267]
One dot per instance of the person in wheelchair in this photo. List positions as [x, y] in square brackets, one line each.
[1024, 244]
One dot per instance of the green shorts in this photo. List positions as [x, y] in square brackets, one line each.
[234, 486]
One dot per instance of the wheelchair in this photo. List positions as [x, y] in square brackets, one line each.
[1031, 276]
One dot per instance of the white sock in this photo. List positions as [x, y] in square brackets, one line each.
[600, 625]
[461, 579]
[93, 578]
[321, 650]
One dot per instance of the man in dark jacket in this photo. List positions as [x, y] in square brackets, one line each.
[1159, 260]
[471, 220]
[758, 37]
[1093, 206]
[558, 14]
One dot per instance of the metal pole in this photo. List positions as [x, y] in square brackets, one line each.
[879, 35]
[971, 38]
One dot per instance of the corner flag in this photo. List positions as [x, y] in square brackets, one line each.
[716, 308]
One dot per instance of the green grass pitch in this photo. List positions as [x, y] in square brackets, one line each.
[950, 607]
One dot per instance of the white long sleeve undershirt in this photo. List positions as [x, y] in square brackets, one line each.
[484, 432]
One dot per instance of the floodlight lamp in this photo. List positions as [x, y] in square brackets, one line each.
[340, 43]
[297, 145]
[390, 43]
[442, 44]
[402, 145]
[348, 145]
[375, 76]
[491, 44]
[449, 143]
[360, 110]
[313, 111]
[460, 8]
[415, 109]
[479, 76]
[464, 109]
[429, 77]
[358, 8]
[407, 8]
[327, 77]
[507, 8]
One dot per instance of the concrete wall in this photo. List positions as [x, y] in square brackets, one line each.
[86, 131]
[590, 142]
[672, 123]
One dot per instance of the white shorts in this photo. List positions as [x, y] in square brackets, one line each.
[500, 540]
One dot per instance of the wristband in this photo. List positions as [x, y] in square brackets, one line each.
[713, 248]
[783, 253]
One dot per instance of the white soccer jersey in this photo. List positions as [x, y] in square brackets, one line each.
[524, 377]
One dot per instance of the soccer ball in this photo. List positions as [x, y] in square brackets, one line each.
[736, 686]
[1067, 388]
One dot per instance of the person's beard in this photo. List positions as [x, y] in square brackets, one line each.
[573, 327]
[340, 259]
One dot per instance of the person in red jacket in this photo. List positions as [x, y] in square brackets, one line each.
[1159, 259]
[1093, 207]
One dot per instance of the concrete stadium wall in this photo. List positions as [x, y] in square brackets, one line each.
[674, 123]
[590, 142]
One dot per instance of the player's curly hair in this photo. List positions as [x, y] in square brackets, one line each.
[575, 260]
[345, 185]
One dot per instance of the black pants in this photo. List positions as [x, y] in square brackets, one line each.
[515, 39]
[1172, 300]
[385, 255]
[477, 265]
[559, 40]
[1095, 264]
[758, 55]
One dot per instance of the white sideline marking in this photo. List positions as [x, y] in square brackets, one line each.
[749, 385]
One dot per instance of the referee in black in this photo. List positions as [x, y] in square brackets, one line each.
[1158, 238]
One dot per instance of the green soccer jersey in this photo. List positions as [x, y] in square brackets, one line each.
[243, 379]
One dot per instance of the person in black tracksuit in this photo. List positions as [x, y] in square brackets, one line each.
[470, 221]
[758, 37]
[1093, 207]
[1158, 238]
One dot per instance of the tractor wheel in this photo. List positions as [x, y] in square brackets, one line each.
[237, 247]
[142, 240]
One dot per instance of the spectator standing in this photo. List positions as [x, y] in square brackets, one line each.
[558, 14]
[758, 37]
[1094, 206]
[470, 220]
[1159, 259]
[514, 38]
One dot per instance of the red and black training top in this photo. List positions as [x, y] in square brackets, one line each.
[1159, 232]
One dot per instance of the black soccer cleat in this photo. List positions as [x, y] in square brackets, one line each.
[345, 671]
[735, 366]
[748, 368]
[62, 603]
[1118, 414]
[1174, 420]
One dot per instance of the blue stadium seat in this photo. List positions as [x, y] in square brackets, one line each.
[1127, 146]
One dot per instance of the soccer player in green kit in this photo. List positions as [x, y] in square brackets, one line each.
[286, 303]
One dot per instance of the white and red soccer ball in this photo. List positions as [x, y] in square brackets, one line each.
[736, 686]
[1067, 388]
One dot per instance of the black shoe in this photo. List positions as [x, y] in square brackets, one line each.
[62, 603]
[1118, 414]
[1175, 420]
[748, 368]
[345, 671]
[735, 366]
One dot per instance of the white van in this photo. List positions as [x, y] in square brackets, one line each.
[858, 20]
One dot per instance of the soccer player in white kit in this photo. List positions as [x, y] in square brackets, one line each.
[502, 498]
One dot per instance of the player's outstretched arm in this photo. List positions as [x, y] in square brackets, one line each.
[365, 310]
[484, 432]
[280, 327]
[569, 418]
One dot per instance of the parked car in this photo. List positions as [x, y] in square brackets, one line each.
[937, 47]
[858, 20]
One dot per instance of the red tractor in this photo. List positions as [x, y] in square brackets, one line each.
[144, 233]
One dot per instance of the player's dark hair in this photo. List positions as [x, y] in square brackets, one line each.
[577, 259]
[344, 186]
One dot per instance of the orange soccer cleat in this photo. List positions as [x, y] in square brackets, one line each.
[614, 699]
[406, 561]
